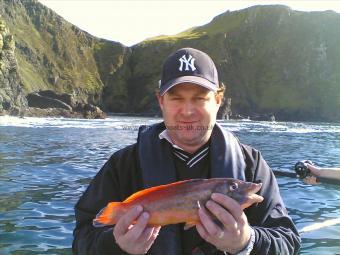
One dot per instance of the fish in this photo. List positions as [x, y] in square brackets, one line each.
[178, 202]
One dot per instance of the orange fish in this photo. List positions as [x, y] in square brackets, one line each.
[179, 201]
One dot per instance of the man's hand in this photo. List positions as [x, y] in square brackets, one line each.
[311, 179]
[137, 238]
[316, 171]
[234, 235]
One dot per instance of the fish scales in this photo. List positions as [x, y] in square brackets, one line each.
[183, 197]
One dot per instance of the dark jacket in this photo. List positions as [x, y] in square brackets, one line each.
[122, 176]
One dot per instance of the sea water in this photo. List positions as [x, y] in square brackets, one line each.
[46, 164]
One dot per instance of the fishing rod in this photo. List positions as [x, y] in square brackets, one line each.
[302, 171]
[318, 225]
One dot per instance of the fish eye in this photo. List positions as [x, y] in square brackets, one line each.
[233, 186]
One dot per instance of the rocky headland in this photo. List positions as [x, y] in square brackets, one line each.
[275, 62]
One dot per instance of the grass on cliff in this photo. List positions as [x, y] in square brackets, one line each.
[185, 35]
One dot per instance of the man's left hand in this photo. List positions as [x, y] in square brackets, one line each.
[234, 235]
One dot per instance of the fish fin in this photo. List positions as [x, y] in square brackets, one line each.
[107, 215]
[189, 225]
[250, 200]
[157, 188]
[142, 193]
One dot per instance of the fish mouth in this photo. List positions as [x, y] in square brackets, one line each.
[255, 187]
[255, 198]
[252, 198]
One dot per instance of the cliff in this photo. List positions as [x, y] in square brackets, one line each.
[12, 99]
[273, 60]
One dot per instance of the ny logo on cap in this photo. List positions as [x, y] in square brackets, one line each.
[188, 63]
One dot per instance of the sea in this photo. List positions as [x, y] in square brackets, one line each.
[47, 163]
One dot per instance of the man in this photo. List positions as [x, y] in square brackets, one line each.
[331, 173]
[189, 144]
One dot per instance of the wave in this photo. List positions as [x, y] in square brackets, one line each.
[132, 123]
[280, 127]
[128, 123]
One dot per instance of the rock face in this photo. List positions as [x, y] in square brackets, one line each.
[40, 101]
[50, 103]
[12, 99]
[273, 60]
[48, 61]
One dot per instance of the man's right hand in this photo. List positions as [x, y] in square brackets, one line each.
[312, 180]
[316, 171]
[135, 238]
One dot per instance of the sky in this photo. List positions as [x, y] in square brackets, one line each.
[132, 21]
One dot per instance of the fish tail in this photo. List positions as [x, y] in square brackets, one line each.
[108, 215]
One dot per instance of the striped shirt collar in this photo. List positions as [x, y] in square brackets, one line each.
[188, 158]
[165, 135]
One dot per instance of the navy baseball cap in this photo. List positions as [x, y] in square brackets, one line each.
[188, 65]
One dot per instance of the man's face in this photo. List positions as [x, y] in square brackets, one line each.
[189, 113]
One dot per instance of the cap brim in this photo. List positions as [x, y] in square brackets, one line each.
[188, 79]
